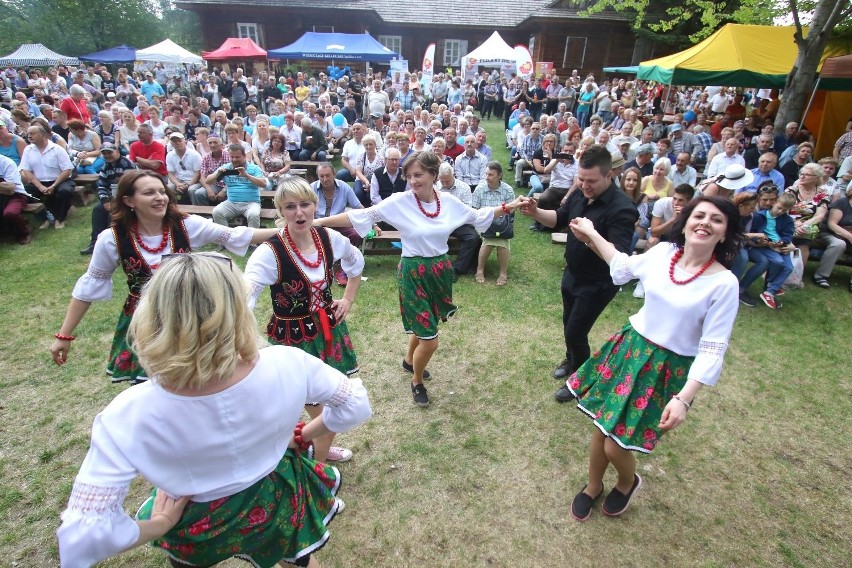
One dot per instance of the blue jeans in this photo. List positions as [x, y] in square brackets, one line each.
[776, 265]
[740, 263]
[344, 175]
[362, 193]
[305, 156]
[93, 168]
[535, 185]
[583, 116]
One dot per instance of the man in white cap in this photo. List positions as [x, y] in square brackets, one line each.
[184, 167]
[114, 167]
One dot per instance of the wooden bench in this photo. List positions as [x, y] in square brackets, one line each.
[369, 248]
[207, 211]
[85, 189]
[309, 167]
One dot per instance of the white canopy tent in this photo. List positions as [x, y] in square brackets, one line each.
[167, 51]
[37, 55]
[495, 52]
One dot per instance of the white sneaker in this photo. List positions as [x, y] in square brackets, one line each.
[338, 454]
[639, 291]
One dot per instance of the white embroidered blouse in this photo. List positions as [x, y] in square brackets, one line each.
[96, 283]
[207, 447]
[262, 268]
[694, 319]
[419, 234]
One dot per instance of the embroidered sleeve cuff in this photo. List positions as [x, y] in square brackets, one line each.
[619, 269]
[707, 366]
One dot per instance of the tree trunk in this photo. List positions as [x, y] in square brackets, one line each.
[800, 81]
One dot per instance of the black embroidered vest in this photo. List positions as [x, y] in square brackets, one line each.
[137, 270]
[292, 321]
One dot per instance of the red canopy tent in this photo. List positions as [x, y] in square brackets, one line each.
[235, 48]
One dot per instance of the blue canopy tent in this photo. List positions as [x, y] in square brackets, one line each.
[118, 54]
[353, 47]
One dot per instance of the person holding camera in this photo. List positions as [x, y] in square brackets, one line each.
[562, 170]
[243, 181]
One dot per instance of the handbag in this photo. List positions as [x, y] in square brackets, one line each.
[501, 228]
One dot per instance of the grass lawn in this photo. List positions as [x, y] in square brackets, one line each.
[485, 475]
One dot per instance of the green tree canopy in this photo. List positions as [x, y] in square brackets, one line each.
[75, 27]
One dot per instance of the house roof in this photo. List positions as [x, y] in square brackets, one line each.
[500, 13]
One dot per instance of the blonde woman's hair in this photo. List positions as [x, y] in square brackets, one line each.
[192, 325]
[292, 188]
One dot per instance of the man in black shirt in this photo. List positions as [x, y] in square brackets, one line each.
[586, 284]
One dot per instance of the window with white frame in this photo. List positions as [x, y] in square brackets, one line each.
[251, 31]
[394, 43]
[575, 52]
[453, 51]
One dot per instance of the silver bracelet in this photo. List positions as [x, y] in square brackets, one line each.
[686, 404]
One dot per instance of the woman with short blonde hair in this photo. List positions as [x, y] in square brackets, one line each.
[297, 266]
[212, 432]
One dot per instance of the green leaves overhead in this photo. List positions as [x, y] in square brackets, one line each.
[74, 27]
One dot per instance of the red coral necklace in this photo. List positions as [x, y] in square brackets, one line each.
[420, 205]
[142, 244]
[701, 270]
[299, 254]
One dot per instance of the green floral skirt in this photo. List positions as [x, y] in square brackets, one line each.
[625, 386]
[337, 352]
[425, 293]
[123, 364]
[281, 517]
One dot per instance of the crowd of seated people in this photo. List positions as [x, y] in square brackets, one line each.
[714, 140]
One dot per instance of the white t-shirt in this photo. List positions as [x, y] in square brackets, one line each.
[186, 167]
[352, 150]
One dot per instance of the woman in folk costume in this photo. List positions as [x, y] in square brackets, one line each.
[216, 432]
[146, 225]
[424, 220]
[297, 264]
[644, 380]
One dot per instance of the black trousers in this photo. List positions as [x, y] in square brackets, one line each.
[469, 243]
[582, 302]
[58, 202]
[100, 220]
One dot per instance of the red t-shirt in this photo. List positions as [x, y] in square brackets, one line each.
[153, 151]
[74, 109]
[455, 151]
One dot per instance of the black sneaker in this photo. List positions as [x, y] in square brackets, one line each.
[563, 370]
[747, 300]
[564, 394]
[617, 502]
[410, 369]
[88, 250]
[421, 399]
[581, 506]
